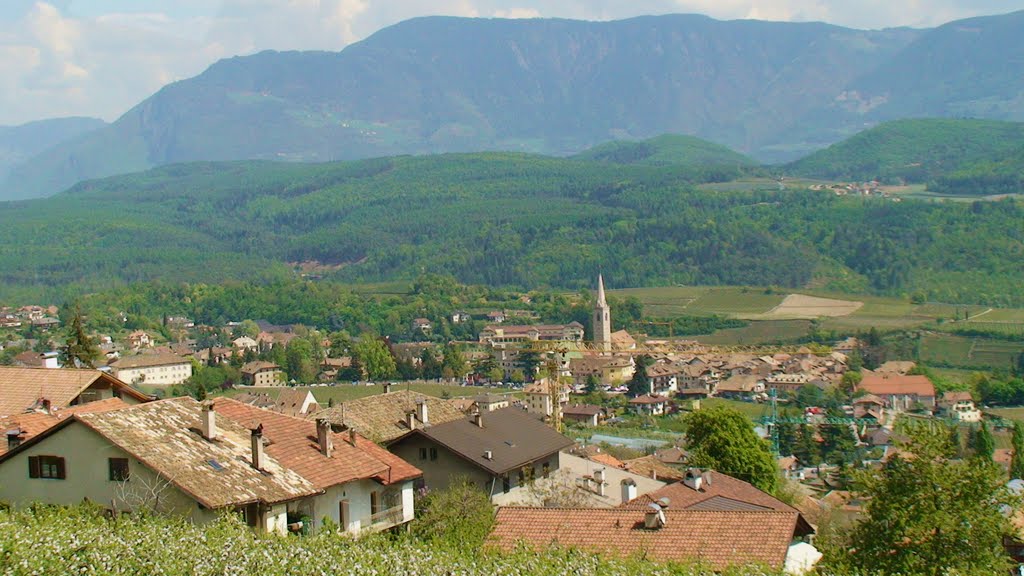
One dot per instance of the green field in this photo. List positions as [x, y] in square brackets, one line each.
[751, 410]
[964, 352]
[761, 332]
[884, 313]
[342, 392]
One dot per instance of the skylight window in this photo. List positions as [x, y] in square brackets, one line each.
[215, 465]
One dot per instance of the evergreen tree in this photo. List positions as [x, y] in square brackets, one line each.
[640, 383]
[984, 445]
[79, 350]
[806, 448]
[592, 384]
[1017, 463]
[429, 366]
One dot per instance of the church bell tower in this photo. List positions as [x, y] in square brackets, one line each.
[602, 320]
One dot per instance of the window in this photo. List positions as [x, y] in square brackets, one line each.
[343, 514]
[46, 467]
[506, 485]
[118, 469]
[433, 453]
[546, 469]
[374, 502]
[423, 453]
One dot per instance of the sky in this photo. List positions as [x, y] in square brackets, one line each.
[101, 57]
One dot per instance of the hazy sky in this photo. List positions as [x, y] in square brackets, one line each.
[101, 57]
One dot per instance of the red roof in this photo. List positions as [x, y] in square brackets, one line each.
[293, 443]
[647, 399]
[896, 384]
[720, 538]
[35, 423]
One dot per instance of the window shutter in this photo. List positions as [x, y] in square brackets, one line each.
[33, 466]
[60, 469]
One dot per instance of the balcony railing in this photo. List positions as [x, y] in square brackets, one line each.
[385, 518]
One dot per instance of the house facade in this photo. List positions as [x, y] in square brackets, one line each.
[152, 369]
[260, 373]
[500, 451]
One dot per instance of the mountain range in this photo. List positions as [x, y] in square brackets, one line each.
[775, 91]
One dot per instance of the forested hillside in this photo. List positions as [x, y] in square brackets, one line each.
[913, 151]
[503, 219]
[667, 149]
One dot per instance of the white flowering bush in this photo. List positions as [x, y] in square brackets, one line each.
[67, 541]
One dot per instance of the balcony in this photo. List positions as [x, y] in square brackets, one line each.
[384, 519]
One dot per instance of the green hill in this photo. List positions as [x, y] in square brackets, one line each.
[667, 149]
[501, 219]
[913, 151]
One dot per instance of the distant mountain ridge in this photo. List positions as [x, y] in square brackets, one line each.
[20, 143]
[440, 84]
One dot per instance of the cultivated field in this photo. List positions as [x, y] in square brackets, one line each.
[964, 352]
[801, 306]
[759, 332]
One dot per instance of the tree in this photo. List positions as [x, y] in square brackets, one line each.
[592, 384]
[429, 366]
[517, 375]
[806, 449]
[460, 516]
[1017, 462]
[930, 513]
[838, 440]
[79, 350]
[850, 382]
[495, 374]
[375, 357]
[723, 439]
[454, 361]
[299, 363]
[248, 328]
[982, 442]
[640, 383]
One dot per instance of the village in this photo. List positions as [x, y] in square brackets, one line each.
[571, 433]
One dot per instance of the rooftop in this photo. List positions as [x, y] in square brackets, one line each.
[511, 436]
[382, 418]
[147, 361]
[32, 424]
[20, 388]
[896, 384]
[721, 538]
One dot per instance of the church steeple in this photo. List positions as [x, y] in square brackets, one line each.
[602, 319]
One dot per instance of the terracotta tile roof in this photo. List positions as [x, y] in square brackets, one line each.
[147, 361]
[606, 459]
[896, 384]
[673, 455]
[511, 435]
[682, 496]
[21, 387]
[581, 410]
[35, 423]
[651, 467]
[293, 442]
[164, 435]
[290, 402]
[952, 397]
[720, 538]
[382, 418]
[257, 366]
[648, 399]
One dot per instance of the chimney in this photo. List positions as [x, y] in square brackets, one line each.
[14, 438]
[410, 419]
[488, 455]
[478, 419]
[421, 413]
[46, 405]
[694, 479]
[352, 436]
[387, 388]
[599, 481]
[323, 436]
[654, 518]
[257, 447]
[654, 474]
[628, 490]
[209, 421]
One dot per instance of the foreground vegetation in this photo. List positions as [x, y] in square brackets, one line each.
[53, 541]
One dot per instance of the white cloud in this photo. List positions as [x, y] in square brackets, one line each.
[98, 57]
